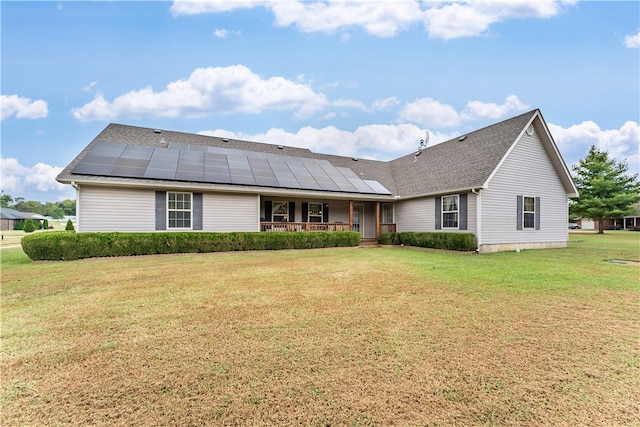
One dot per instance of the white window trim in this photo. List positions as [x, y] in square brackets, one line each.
[190, 210]
[274, 205]
[314, 215]
[525, 212]
[457, 212]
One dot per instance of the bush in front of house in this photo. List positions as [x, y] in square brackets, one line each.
[69, 226]
[70, 246]
[29, 225]
[434, 240]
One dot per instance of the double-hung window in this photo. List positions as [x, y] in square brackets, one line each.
[179, 210]
[529, 212]
[315, 212]
[450, 211]
[280, 211]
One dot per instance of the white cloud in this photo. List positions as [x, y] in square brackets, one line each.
[22, 108]
[471, 18]
[622, 143]
[90, 86]
[18, 179]
[385, 104]
[494, 111]
[219, 90]
[221, 33]
[382, 19]
[193, 7]
[433, 114]
[382, 142]
[632, 41]
[446, 20]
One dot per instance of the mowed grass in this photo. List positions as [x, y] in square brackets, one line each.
[350, 336]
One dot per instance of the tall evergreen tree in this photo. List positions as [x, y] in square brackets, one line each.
[606, 191]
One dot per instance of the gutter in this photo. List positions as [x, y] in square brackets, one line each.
[478, 218]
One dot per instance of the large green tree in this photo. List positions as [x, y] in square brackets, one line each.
[606, 190]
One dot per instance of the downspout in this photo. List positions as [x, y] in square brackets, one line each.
[77, 188]
[478, 218]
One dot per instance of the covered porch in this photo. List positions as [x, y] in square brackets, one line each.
[370, 218]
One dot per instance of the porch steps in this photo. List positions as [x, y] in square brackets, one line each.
[369, 243]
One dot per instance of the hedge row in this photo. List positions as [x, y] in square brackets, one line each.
[450, 241]
[66, 245]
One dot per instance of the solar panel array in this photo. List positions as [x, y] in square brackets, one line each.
[201, 163]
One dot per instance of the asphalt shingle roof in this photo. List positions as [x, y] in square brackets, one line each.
[464, 162]
[452, 165]
[6, 213]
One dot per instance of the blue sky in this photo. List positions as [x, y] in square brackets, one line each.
[363, 79]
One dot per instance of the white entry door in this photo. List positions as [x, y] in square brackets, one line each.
[358, 218]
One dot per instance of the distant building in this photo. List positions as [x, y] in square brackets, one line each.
[9, 217]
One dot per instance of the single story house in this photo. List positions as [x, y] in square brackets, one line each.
[9, 217]
[506, 183]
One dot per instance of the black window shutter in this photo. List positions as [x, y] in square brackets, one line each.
[537, 213]
[305, 212]
[519, 212]
[197, 211]
[161, 210]
[438, 212]
[325, 213]
[292, 211]
[267, 210]
[462, 216]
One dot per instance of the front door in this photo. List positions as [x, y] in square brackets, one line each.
[358, 218]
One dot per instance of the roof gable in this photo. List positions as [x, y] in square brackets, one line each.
[461, 163]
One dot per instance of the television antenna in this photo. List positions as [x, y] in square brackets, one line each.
[424, 142]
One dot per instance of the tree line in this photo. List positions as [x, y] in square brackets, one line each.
[55, 210]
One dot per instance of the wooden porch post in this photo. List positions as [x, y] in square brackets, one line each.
[350, 214]
[377, 220]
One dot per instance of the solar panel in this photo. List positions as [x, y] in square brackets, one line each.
[377, 187]
[219, 165]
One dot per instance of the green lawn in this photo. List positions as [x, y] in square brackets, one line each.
[347, 336]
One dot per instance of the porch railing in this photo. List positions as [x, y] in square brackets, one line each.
[304, 226]
[316, 226]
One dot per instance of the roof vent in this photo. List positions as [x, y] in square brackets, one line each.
[157, 131]
[225, 139]
[462, 138]
[280, 147]
[355, 159]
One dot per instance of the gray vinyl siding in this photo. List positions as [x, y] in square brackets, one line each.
[111, 209]
[419, 215]
[230, 212]
[527, 171]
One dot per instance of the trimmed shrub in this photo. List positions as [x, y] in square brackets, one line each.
[69, 226]
[435, 240]
[19, 224]
[45, 224]
[70, 246]
[29, 225]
